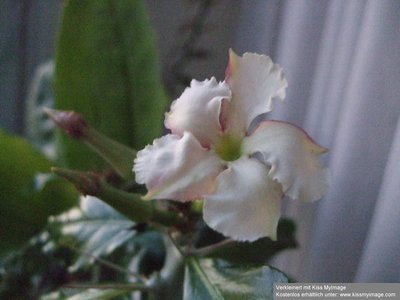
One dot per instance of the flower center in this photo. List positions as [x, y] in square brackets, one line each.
[229, 148]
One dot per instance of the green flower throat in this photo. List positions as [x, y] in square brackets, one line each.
[229, 148]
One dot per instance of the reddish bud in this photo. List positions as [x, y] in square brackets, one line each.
[72, 123]
[87, 183]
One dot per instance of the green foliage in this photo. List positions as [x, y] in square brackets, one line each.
[150, 256]
[27, 196]
[97, 230]
[217, 279]
[40, 129]
[92, 244]
[106, 69]
[260, 251]
[38, 267]
[92, 294]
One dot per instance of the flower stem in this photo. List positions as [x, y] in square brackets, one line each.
[129, 204]
[106, 263]
[212, 248]
[119, 156]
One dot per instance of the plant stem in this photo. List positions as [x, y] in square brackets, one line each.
[119, 156]
[116, 154]
[106, 263]
[212, 248]
[129, 204]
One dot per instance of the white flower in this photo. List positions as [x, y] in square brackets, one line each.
[211, 154]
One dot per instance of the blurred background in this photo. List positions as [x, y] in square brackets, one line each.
[342, 62]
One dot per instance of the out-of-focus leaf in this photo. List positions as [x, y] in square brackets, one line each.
[106, 69]
[40, 130]
[91, 294]
[94, 294]
[57, 295]
[38, 267]
[217, 279]
[97, 227]
[151, 253]
[27, 198]
[260, 251]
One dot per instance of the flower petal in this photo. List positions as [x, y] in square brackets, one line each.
[246, 205]
[177, 168]
[254, 80]
[197, 110]
[293, 156]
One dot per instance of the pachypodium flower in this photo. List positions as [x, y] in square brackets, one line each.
[215, 152]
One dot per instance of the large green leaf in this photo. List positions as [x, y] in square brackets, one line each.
[106, 69]
[97, 227]
[27, 197]
[217, 279]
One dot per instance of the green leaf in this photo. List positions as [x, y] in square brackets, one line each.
[97, 227]
[260, 251]
[27, 198]
[39, 266]
[94, 294]
[217, 279]
[91, 294]
[150, 256]
[57, 295]
[41, 130]
[107, 70]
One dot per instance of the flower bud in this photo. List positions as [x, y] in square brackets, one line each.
[128, 204]
[119, 156]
